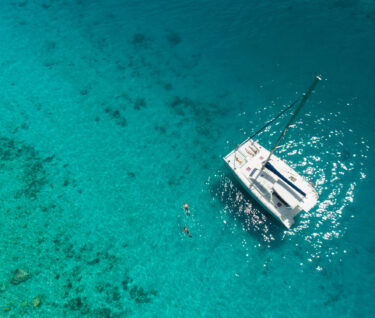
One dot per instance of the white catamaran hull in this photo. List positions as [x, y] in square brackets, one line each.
[277, 187]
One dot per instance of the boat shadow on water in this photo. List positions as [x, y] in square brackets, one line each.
[251, 216]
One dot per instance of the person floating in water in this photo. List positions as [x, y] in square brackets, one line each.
[187, 231]
[186, 207]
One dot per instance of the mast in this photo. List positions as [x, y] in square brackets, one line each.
[303, 101]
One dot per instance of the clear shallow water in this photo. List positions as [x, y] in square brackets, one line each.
[115, 113]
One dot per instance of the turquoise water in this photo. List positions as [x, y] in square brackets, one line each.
[115, 113]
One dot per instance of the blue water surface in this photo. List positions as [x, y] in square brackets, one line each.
[114, 113]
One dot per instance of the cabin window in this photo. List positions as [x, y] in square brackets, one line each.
[252, 172]
[280, 199]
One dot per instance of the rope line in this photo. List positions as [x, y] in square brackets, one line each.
[272, 120]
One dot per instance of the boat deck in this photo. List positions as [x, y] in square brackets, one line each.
[273, 193]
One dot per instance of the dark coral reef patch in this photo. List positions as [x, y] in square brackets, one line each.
[115, 295]
[173, 38]
[28, 165]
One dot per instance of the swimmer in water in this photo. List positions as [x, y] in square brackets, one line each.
[187, 232]
[186, 207]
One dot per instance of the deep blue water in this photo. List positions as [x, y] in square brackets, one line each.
[115, 113]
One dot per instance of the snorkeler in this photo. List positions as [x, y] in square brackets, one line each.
[187, 232]
[187, 209]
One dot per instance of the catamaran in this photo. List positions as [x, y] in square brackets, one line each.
[270, 180]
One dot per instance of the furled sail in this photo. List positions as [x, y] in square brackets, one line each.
[270, 167]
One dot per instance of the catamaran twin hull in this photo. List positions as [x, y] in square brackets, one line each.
[276, 186]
